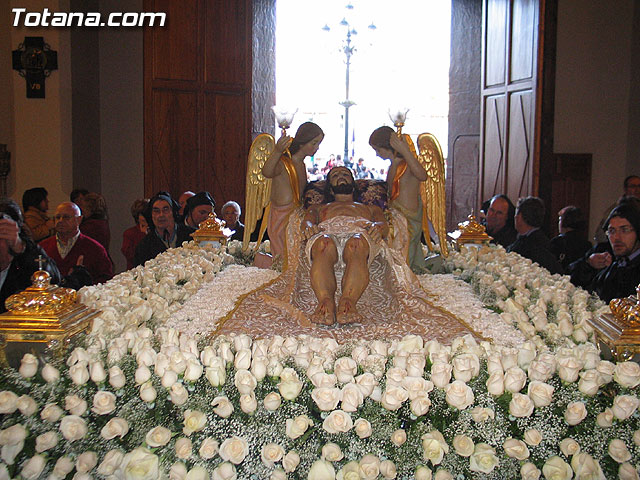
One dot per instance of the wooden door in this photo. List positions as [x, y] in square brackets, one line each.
[508, 98]
[197, 98]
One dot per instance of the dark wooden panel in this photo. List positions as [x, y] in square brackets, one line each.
[520, 149]
[570, 185]
[226, 146]
[496, 42]
[175, 47]
[492, 160]
[227, 36]
[174, 142]
[523, 36]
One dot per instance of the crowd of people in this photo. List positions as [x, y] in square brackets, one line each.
[359, 169]
[609, 267]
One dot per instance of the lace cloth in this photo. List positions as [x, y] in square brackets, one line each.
[393, 304]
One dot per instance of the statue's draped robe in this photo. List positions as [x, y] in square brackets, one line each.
[393, 304]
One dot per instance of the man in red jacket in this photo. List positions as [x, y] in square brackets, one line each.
[69, 247]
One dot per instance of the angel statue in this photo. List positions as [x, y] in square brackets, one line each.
[276, 177]
[416, 187]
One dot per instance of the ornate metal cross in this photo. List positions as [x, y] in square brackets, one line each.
[35, 60]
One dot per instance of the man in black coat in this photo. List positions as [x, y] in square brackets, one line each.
[499, 220]
[164, 230]
[621, 277]
[532, 243]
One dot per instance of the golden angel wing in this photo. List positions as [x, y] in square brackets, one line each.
[258, 188]
[432, 191]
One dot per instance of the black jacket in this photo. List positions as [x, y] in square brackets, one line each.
[617, 280]
[151, 245]
[536, 247]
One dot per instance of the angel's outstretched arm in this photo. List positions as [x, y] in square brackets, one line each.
[273, 166]
[414, 166]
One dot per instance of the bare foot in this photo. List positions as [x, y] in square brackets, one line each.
[347, 312]
[325, 314]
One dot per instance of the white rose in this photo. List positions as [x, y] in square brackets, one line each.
[484, 459]
[259, 368]
[626, 471]
[627, 374]
[241, 341]
[10, 452]
[606, 369]
[272, 401]
[459, 395]
[115, 427]
[79, 354]
[278, 474]
[79, 373]
[415, 364]
[532, 437]
[208, 356]
[271, 453]
[514, 379]
[465, 366]
[569, 368]
[410, 344]
[224, 352]
[434, 447]
[208, 448]
[379, 347]
[540, 393]
[248, 403]
[569, 447]
[51, 413]
[148, 394]
[557, 469]
[515, 448]
[142, 374]
[321, 470]
[86, 462]
[423, 473]
[50, 373]
[178, 394]
[363, 428]
[395, 376]
[28, 365]
[216, 375]
[117, 378]
[541, 371]
[222, 407]
[234, 450]
[495, 383]
[158, 437]
[520, 405]
[605, 419]
[420, 404]
[619, 451]
[46, 441]
[139, 464]
[399, 437]
[224, 471]
[351, 398]
[27, 405]
[13, 435]
[194, 421]
[177, 362]
[585, 466]
[96, 372]
[103, 402]
[242, 359]
[441, 374]
[110, 462]
[197, 473]
[388, 469]
[590, 382]
[73, 427]
[295, 427]
[326, 398]
[331, 452]
[338, 421]
[63, 466]
[393, 397]
[33, 467]
[369, 467]
[193, 371]
[529, 471]
[575, 413]
[184, 448]
[290, 389]
[482, 414]
[463, 445]
[75, 405]
[624, 406]
[291, 461]
[321, 379]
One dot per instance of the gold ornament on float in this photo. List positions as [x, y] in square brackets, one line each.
[469, 232]
[212, 231]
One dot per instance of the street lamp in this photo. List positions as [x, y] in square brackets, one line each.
[348, 50]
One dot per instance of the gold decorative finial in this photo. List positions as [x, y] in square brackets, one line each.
[213, 230]
[469, 231]
[41, 298]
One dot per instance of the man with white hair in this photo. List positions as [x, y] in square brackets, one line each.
[69, 247]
